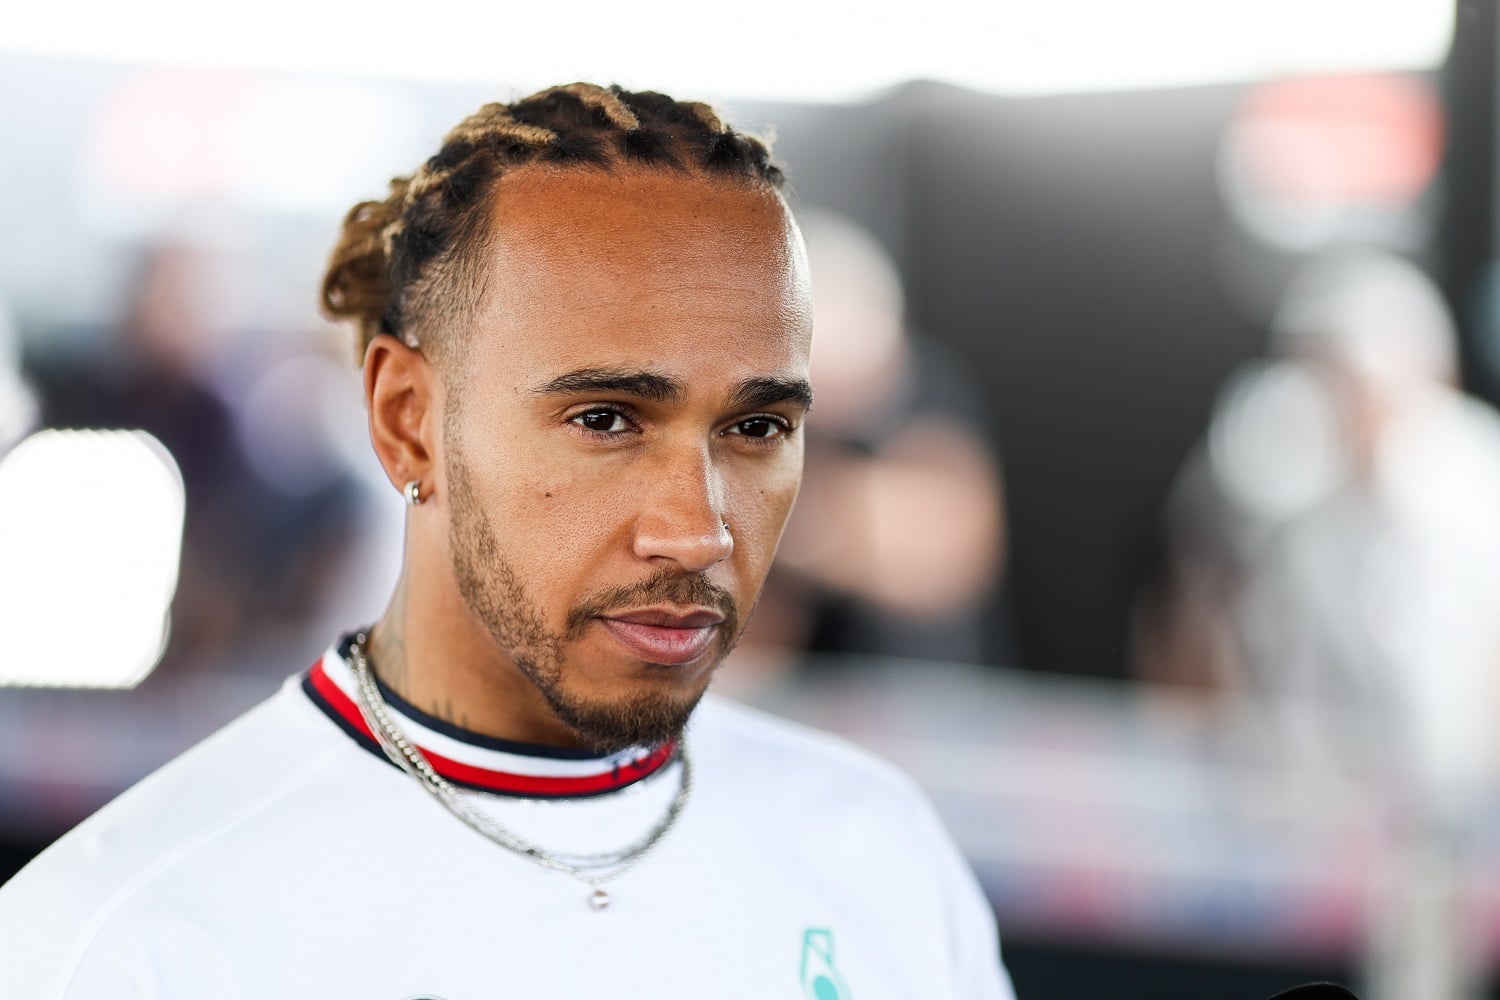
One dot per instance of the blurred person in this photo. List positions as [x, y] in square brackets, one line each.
[1336, 558]
[1335, 551]
[149, 373]
[331, 537]
[253, 557]
[585, 330]
[898, 536]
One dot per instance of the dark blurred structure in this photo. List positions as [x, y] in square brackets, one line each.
[1066, 245]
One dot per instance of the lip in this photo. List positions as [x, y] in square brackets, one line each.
[666, 616]
[665, 636]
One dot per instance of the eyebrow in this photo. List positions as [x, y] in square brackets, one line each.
[659, 388]
[654, 386]
[757, 392]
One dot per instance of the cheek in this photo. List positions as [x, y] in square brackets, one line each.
[563, 514]
[546, 514]
[759, 514]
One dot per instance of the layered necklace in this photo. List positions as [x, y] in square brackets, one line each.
[593, 870]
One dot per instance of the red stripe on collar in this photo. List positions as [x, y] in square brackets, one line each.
[332, 699]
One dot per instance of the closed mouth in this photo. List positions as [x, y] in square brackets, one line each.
[665, 636]
[665, 617]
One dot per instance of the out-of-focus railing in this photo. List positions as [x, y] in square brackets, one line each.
[1139, 816]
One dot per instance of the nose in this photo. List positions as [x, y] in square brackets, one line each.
[681, 516]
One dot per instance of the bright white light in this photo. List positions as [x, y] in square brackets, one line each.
[803, 51]
[18, 408]
[90, 535]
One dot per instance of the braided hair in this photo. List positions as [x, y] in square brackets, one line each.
[411, 266]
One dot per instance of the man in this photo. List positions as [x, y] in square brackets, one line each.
[585, 328]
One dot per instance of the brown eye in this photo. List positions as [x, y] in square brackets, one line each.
[601, 421]
[760, 428]
[757, 428]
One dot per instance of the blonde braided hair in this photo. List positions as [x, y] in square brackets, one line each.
[408, 266]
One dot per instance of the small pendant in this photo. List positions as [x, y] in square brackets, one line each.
[599, 900]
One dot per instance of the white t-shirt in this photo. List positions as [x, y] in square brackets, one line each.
[285, 857]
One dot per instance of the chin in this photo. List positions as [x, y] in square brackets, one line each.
[643, 717]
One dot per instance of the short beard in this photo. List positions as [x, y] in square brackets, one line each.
[496, 597]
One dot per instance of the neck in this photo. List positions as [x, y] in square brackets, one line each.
[428, 648]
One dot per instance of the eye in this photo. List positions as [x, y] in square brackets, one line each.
[602, 421]
[761, 428]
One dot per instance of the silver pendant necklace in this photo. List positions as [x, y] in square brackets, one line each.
[593, 870]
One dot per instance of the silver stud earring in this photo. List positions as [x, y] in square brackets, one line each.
[413, 492]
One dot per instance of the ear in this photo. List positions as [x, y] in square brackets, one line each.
[401, 393]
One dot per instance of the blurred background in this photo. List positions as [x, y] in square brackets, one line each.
[1152, 512]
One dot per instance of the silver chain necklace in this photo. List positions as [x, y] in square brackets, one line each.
[592, 870]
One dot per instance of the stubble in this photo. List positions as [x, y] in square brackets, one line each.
[497, 597]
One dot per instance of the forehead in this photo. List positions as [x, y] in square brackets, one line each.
[588, 267]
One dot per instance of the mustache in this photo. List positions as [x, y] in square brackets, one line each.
[662, 587]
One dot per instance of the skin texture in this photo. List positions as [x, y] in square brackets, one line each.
[634, 381]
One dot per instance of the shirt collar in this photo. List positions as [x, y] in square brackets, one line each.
[473, 760]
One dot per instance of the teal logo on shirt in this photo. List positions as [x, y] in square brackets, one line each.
[820, 977]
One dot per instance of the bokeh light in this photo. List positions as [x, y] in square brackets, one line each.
[89, 548]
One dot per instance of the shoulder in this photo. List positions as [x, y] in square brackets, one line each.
[786, 758]
[731, 725]
[837, 812]
[53, 908]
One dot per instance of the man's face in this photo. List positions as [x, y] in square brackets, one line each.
[635, 381]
